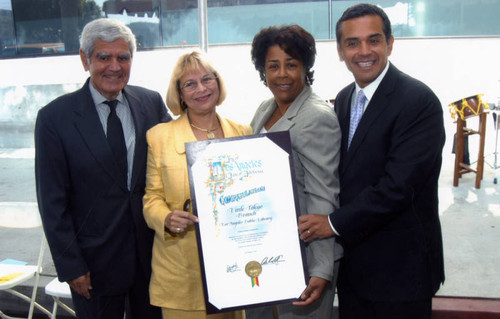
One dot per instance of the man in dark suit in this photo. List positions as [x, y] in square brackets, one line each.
[389, 167]
[90, 176]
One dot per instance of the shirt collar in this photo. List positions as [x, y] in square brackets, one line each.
[99, 98]
[370, 89]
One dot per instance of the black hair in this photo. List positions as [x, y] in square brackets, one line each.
[293, 39]
[361, 10]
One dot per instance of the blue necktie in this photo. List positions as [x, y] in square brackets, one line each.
[356, 114]
[116, 139]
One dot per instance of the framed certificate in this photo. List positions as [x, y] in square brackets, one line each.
[243, 192]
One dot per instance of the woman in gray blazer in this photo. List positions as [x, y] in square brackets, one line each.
[284, 56]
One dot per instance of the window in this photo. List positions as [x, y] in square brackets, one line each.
[161, 23]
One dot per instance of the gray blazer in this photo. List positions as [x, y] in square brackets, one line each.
[315, 135]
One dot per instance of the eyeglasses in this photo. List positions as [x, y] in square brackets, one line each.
[191, 85]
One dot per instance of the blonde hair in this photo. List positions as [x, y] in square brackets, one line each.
[190, 62]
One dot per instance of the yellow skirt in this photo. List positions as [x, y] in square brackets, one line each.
[168, 313]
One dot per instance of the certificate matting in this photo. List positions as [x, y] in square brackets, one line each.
[243, 192]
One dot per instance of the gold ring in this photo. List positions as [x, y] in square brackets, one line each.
[308, 232]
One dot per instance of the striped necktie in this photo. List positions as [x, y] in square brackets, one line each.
[356, 114]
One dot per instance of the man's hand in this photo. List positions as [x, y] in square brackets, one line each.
[314, 226]
[312, 292]
[82, 285]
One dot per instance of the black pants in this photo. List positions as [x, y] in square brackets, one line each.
[111, 307]
[135, 301]
[351, 306]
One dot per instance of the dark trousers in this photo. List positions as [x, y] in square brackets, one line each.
[351, 306]
[139, 299]
[135, 303]
[111, 307]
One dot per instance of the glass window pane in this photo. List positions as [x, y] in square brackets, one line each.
[179, 25]
[142, 17]
[428, 18]
[49, 27]
[239, 21]
[7, 37]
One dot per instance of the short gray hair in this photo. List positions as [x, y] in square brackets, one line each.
[107, 30]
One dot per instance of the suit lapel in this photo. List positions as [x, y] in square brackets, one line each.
[287, 120]
[183, 133]
[374, 110]
[283, 124]
[343, 110]
[265, 112]
[138, 116]
[88, 124]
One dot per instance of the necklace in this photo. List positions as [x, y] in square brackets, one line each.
[279, 110]
[210, 132]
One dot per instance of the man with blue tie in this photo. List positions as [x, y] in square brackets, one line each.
[90, 167]
[392, 140]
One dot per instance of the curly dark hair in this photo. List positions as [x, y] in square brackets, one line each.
[293, 39]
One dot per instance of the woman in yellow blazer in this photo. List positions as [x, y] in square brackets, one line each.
[194, 91]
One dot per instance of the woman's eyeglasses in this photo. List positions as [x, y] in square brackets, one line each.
[191, 85]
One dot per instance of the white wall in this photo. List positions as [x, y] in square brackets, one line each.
[453, 67]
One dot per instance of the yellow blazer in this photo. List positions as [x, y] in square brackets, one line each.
[176, 277]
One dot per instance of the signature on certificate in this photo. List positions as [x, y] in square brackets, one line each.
[272, 260]
[232, 268]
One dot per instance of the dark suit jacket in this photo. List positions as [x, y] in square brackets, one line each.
[388, 218]
[91, 220]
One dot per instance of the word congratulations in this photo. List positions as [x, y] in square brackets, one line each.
[236, 197]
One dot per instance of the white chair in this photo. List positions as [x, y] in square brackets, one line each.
[58, 290]
[21, 215]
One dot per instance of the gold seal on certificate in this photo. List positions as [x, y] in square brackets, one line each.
[253, 270]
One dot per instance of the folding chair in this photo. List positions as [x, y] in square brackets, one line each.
[21, 215]
[58, 290]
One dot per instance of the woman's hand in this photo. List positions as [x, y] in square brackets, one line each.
[178, 220]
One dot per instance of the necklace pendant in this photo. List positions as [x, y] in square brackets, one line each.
[210, 135]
